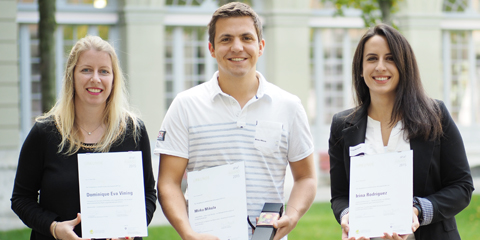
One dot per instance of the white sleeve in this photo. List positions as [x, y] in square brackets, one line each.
[300, 144]
[173, 135]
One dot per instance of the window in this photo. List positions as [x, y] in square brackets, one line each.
[200, 2]
[187, 59]
[461, 89]
[184, 2]
[455, 5]
[332, 52]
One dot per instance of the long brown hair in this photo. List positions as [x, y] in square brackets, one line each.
[421, 115]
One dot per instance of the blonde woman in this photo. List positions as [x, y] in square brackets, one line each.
[92, 115]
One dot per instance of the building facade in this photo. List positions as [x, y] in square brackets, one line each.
[162, 45]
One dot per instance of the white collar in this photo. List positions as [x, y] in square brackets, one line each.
[215, 90]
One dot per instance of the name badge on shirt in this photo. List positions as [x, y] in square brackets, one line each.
[357, 150]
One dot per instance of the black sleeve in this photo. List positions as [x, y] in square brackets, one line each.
[28, 182]
[455, 177]
[338, 176]
[148, 178]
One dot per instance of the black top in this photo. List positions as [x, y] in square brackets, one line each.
[46, 183]
[441, 172]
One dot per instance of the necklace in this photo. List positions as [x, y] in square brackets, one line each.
[89, 133]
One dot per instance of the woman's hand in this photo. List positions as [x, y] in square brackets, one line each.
[346, 228]
[204, 236]
[64, 230]
[395, 236]
[415, 222]
[415, 226]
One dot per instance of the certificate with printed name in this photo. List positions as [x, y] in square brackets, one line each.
[112, 195]
[217, 201]
[381, 194]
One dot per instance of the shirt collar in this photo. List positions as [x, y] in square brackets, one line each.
[215, 89]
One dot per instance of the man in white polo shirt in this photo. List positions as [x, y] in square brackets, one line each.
[237, 116]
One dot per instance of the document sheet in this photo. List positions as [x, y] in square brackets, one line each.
[381, 194]
[112, 195]
[217, 201]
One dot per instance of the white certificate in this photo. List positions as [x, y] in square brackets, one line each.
[381, 194]
[217, 202]
[112, 195]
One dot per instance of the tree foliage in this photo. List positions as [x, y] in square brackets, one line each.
[46, 31]
[373, 11]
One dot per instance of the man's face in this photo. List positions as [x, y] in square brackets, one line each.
[236, 47]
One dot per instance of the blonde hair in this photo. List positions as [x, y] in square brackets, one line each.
[116, 116]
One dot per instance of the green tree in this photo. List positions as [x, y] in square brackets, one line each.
[46, 30]
[370, 9]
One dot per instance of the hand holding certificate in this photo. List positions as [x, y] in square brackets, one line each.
[112, 198]
[217, 202]
[381, 188]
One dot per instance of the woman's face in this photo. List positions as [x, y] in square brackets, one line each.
[93, 78]
[379, 70]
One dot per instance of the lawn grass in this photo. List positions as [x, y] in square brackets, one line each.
[318, 223]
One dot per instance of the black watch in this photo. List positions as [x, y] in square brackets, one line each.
[420, 212]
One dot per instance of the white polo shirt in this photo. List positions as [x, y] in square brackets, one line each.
[209, 128]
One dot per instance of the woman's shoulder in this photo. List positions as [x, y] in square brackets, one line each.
[345, 113]
[349, 115]
[47, 124]
[43, 130]
[134, 122]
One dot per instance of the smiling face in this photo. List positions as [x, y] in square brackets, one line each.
[236, 47]
[93, 78]
[380, 72]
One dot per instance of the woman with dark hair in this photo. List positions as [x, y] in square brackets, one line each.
[394, 113]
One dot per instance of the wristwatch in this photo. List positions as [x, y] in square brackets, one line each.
[420, 212]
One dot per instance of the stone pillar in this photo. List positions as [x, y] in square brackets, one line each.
[287, 45]
[142, 54]
[9, 110]
[419, 22]
[9, 86]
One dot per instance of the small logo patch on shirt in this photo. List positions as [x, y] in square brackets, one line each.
[161, 135]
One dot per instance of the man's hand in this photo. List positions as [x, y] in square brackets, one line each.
[284, 225]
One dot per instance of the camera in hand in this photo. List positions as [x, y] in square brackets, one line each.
[271, 212]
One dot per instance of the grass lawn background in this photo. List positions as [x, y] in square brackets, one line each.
[318, 223]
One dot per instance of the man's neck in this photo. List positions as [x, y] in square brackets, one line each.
[242, 89]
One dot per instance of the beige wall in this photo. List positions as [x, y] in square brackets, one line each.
[142, 37]
[287, 37]
[9, 81]
[9, 110]
[419, 22]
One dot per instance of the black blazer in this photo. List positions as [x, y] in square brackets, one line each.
[441, 172]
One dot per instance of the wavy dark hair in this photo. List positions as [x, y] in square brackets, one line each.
[420, 114]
